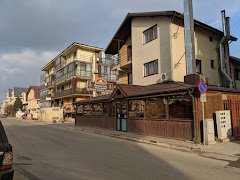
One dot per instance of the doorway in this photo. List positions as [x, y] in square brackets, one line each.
[121, 118]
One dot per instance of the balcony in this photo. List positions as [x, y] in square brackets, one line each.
[108, 60]
[72, 92]
[83, 74]
[125, 60]
[69, 76]
[46, 97]
[51, 84]
[109, 77]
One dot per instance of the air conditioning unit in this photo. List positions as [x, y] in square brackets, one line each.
[98, 60]
[95, 71]
[164, 77]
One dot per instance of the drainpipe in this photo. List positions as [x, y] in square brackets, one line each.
[194, 115]
[223, 42]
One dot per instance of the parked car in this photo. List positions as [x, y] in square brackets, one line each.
[6, 156]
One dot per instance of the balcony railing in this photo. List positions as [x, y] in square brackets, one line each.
[51, 84]
[64, 62]
[109, 77]
[83, 74]
[45, 97]
[109, 60]
[124, 59]
[68, 76]
[69, 92]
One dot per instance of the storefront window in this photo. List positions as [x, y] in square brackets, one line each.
[80, 110]
[113, 109]
[180, 107]
[97, 110]
[88, 110]
[107, 109]
[136, 109]
[155, 108]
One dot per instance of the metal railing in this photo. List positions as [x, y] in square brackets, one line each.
[80, 74]
[109, 77]
[68, 92]
[109, 60]
[51, 83]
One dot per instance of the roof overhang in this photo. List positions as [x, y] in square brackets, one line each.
[234, 59]
[124, 31]
[73, 47]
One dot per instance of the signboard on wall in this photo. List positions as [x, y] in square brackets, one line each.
[100, 85]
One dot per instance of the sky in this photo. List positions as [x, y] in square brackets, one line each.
[33, 32]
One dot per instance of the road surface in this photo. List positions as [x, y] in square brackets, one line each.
[49, 152]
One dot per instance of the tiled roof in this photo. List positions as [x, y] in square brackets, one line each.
[18, 91]
[222, 89]
[36, 89]
[95, 99]
[135, 91]
[131, 91]
[125, 28]
[232, 58]
[162, 88]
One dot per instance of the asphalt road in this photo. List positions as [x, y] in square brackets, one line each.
[49, 152]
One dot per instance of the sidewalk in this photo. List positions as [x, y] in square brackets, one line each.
[229, 151]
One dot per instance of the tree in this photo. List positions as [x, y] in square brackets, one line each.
[17, 105]
[9, 110]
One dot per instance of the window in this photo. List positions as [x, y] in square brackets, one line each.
[180, 107]
[129, 78]
[155, 108]
[151, 68]
[212, 64]
[129, 52]
[97, 110]
[107, 110]
[237, 74]
[210, 39]
[88, 110]
[74, 54]
[136, 108]
[83, 67]
[199, 66]
[150, 34]
[105, 70]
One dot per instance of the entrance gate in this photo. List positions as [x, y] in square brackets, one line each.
[121, 109]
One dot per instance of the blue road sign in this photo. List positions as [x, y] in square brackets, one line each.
[202, 87]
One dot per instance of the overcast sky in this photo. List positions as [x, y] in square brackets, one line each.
[32, 32]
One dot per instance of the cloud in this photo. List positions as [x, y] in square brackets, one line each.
[22, 68]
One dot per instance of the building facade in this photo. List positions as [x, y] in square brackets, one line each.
[151, 49]
[11, 96]
[155, 95]
[235, 70]
[33, 102]
[67, 76]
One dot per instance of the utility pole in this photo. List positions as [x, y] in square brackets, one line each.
[189, 37]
